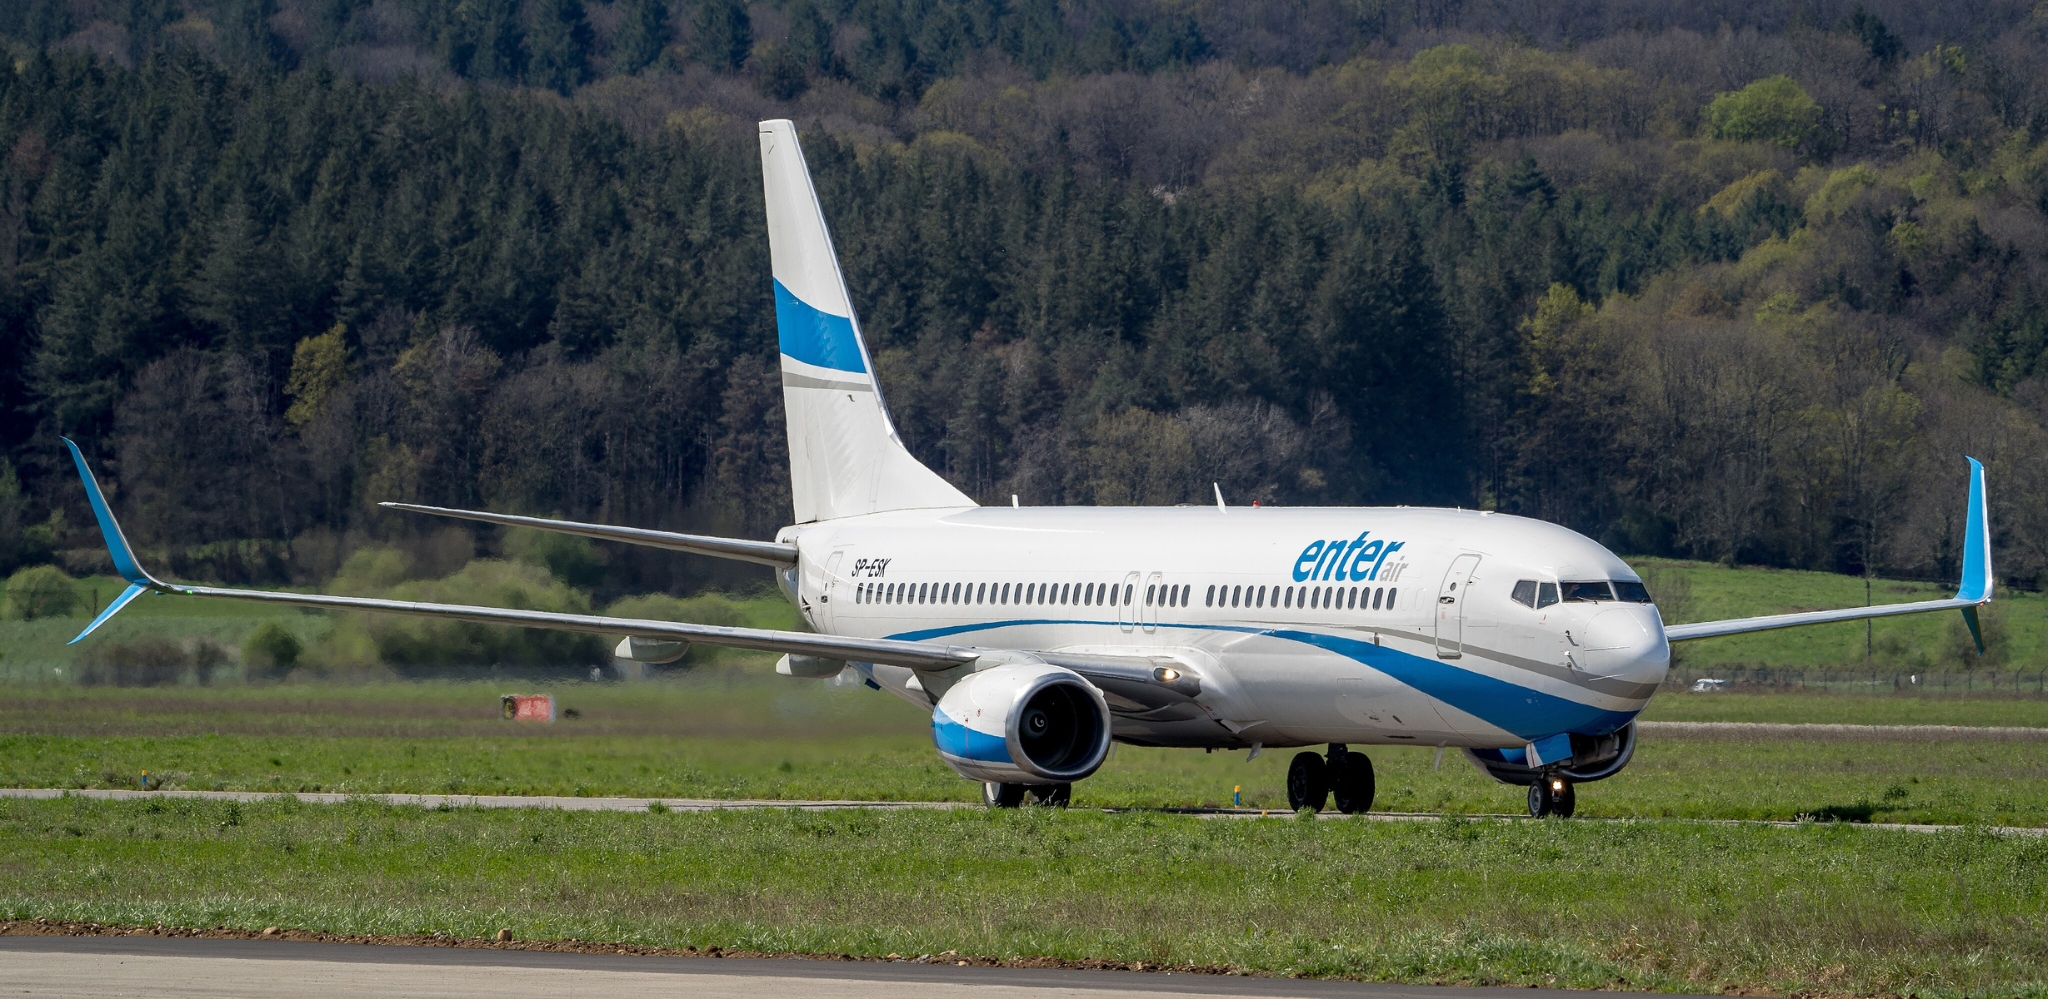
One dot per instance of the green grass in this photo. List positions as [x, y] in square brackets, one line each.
[732, 733]
[37, 651]
[1675, 906]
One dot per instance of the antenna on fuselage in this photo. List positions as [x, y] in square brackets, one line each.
[1219, 496]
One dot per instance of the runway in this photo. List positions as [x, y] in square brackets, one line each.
[104, 967]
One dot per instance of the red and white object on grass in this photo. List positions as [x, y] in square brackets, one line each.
[528, 707]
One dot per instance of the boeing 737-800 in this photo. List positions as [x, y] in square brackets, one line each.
[1036, 636]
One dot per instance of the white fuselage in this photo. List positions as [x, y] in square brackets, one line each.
[1303, 625]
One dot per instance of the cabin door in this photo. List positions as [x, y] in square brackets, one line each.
[1450, 607]
[831, 588]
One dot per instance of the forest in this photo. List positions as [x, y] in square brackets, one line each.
[1737, 281]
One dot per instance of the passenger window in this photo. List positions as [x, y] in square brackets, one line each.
[1262, 595]
[1525, 592]
[1546, 594]
[1209, 599]
[1390, 599]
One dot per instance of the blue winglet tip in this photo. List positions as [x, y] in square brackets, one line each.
[125, 562]
[134, 590]
[1977, 579]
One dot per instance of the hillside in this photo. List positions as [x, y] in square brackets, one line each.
[1739, 284]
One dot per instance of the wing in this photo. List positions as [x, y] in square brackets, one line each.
[917, 655]
[773, 553]
[1972, 593]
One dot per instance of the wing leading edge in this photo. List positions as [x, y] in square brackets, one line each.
[1973, 592]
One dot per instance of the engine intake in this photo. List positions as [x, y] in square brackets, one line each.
[1024, 723]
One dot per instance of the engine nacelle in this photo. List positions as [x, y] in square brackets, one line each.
[1024, 723]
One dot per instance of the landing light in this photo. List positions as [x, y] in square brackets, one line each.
[1556, 784]
[1166, 674]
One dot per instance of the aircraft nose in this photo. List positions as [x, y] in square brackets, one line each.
[1627, 643]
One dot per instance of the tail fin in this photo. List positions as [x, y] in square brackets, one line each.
[844, 456]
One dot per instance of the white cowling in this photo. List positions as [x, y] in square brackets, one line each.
[1025, 723]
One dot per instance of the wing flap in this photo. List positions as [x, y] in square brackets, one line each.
[917, 655]
[773, 553]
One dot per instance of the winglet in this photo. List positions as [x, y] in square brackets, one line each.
[1977, 580]
[139, 582]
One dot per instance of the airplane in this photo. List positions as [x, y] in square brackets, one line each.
[1037, 636]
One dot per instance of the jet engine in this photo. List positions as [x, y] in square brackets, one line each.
[1023, 723]
[1594, 757]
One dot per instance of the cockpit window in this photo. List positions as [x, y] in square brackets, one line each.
[1546, 594]
[1587, 592]
[1630, 591]
[1525, 592]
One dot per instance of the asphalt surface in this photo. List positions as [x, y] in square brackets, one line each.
[715, 804]
[174, 968]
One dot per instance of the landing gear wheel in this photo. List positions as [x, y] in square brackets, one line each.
[1552, 796]
[1052, 795]
[997, 795]
[1351, 783]
[1308, 782]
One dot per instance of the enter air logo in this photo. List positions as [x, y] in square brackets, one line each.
[1357, 560]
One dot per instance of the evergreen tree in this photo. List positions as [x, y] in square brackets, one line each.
[725, 34]
[810, 39]
[558, 46]
[642, 35]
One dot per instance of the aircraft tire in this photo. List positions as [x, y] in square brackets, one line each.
[999, 795]
[1052, 795]
[1564, 803]
[1352, 785]
[1308, 782]
[1544, 801]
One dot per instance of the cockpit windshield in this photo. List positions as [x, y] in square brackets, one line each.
[1586, 592]
[1630, 591]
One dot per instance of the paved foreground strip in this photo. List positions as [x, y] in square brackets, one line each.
[95, 967]
[1908, 733]
[569, 804]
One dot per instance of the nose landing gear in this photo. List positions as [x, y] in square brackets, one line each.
[1552, 794]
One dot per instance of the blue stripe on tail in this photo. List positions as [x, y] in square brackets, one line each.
[816, 337]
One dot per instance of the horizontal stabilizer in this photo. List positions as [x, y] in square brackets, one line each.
[772, 553]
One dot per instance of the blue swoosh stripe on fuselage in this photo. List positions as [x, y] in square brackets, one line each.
[958, 740]
[1524, 711]
[814, 336]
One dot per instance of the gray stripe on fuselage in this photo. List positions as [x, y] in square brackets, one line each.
[791, 379]
[1598, 684]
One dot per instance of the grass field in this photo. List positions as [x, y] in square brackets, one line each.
[1649, 902]
[1815, 910]
[735, 733]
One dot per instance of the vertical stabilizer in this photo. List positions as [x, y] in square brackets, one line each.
[844, 456]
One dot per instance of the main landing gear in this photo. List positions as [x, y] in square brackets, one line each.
[998, 795]
[1552, 794]
[1312, 780]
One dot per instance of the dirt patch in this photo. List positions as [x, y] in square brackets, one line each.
[58, 928]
